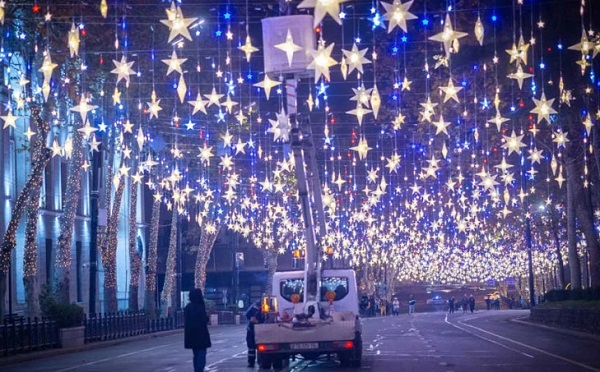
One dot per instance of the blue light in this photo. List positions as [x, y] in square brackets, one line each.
[494, 18]
[404, 38]
[542, 65]
[395, 49]
[463, 83]
[227, 15]
[249, 76]
[373, 10]
[358, 39]
[218, 33]
[560, 46]
[425, 22]
[342, 15]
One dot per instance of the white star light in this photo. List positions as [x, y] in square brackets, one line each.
[289, 47]
[397, 14]
[322, 61]
[322, 8]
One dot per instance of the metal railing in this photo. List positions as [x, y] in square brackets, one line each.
[20, 335]
[112, 326]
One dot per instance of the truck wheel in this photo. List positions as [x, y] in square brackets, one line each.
[277, 364]
[265, 363]
[356, 360]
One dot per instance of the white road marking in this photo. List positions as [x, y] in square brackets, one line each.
[531, 347]
[487, 339]
[114, 357]
[210, 367]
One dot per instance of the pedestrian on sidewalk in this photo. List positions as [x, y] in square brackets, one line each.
[395, 306]
[411, 305]
[471, 303]
[196, 336]
[451, 305]
[465, 303]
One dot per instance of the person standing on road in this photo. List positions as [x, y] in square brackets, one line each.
[196, 336]
[465, 303]
[411, 305]
[471, 303]
[395, 306]
[451, 305]
[254, 316]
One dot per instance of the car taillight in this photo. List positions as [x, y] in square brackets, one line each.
[348, 344]
[266, 347]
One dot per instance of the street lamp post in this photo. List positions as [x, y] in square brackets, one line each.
[529, 258]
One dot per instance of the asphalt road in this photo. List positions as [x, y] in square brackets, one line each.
[483, 341]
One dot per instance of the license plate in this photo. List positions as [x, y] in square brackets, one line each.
[304, 346]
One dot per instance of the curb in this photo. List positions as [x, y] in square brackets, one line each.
[556, 329]
[19, 358]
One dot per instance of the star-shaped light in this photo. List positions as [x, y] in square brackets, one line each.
[178, 24]
[83, 108]
[356, 58]
[123, 69]
[375, 101]
[448, 36]
[267, 84]
[73, 40]
[543, 108]
[226, 162]
[450, 90]
[289, 47]
[9, 120]
[29, 133]
[103, 8]
[535, 156]
[397, 14]
[248, 48]
[153, 106]
[322, 60]
[199, 104]
[560, 138]
[513, 143]
[56, 148]
[498, 120]
[174, 63]
[116, 97]
[322, 8]
[206, 154]
[280, 127]
[359, 112]
[240, 147]
[266, 184]
[214, 98]
[362, 148]
[441, 126]
[519, 76]
[406, 84]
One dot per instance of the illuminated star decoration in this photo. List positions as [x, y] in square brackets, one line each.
[479, 31]
[450, 90]
[519, 76]
[47, 67]
[356, 58]
[280, 127]
[448, 37]
[123, 70]
[362, 148]
[83, 108]
[267, 84]
[73, 39]
[9, 120]
[543, 108]
[174, 63]
[322, 60]
[248, 48]
[199, 105]
[178, 24]
[153, 106]
[289, 47]
[397, 14]
[513, 143]
[322, 8]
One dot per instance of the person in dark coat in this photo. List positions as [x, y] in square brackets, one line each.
[196, 336]
[471, 303]
[254, 316]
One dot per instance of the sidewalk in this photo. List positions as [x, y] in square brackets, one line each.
[571, 332]
[19, 358]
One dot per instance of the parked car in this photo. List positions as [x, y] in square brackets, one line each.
[436, 300]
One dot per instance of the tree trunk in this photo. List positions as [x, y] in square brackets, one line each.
[151, 257]
[109, 252]
[170, 264]
[270, 257]
[41, 155]
[30, 269]
[559, 258]
[62, 262]
[208, 235]
[134, 257]
[574, 265]
[585, 216]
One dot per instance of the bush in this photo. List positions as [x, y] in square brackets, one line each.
[66, 315]
[588, 294]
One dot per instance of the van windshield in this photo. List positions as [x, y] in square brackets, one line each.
[337, 285]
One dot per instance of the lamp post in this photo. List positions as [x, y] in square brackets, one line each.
[529, 258]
